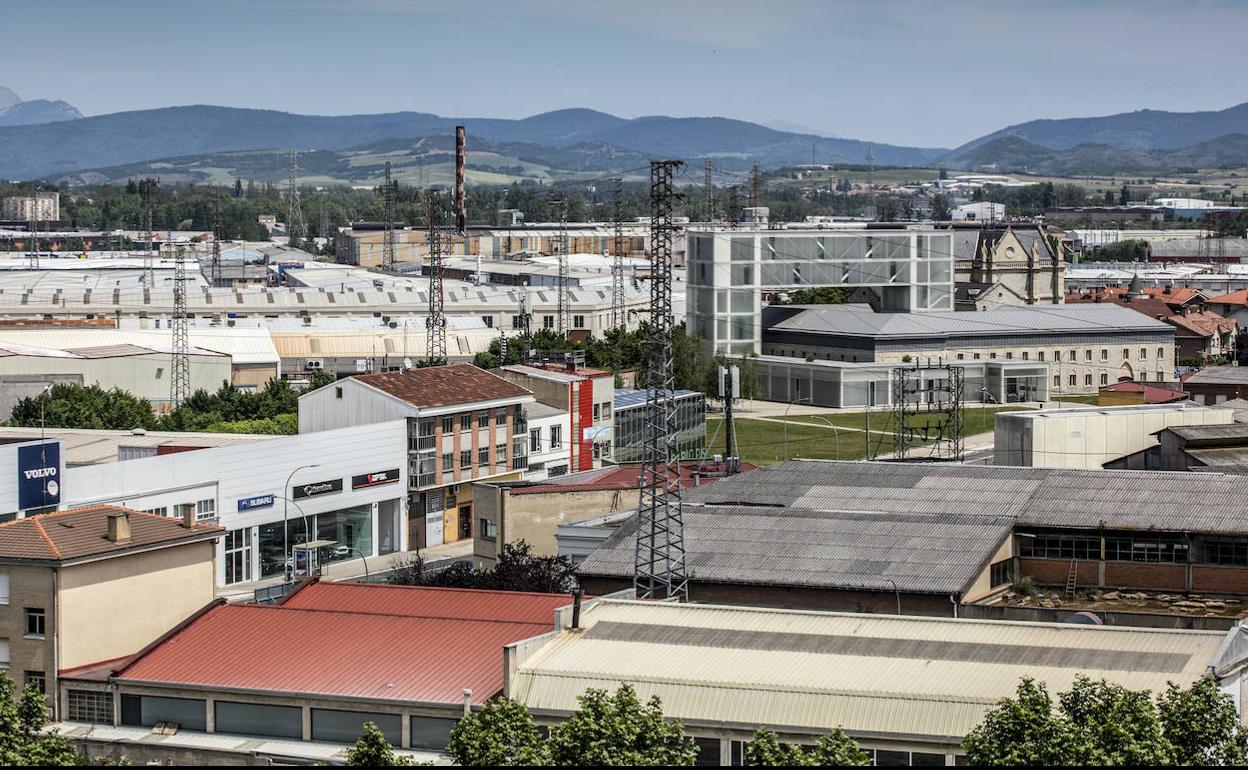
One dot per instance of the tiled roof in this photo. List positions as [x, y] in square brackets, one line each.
[370, 642]
[436, 386]
[82, 533]
[1204, 324]
[1234, 298]
[1152, 393]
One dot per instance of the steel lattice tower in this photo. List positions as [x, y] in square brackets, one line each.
[216, 240]
[927, 410]
[563, 318]
[147, 188]
[618, 320]
[180, 370]
[435, 322]
[755, 186]
[295, 228]
[387, 243]
[659, 557]
[708, 168]
[32, 248]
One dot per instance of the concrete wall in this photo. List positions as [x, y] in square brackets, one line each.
[29, 586]
[534, 517]
[1091, 437]
[982, 585]
[114, 607]
[359, 404]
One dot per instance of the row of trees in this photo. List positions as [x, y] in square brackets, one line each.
[272, 409]
[1094, 723]
[517, 569]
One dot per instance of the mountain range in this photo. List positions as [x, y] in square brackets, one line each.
[203, 142]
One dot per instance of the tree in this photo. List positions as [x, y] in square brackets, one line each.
[22, 740]
[73, 406]
[517, 569]
[833, 749]
[373, 750]
[501, 734]
[618, 730]
[941, 211]
[1099, 723]
[818, 295]
[1124, 195]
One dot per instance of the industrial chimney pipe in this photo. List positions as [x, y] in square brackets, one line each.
[461, 219]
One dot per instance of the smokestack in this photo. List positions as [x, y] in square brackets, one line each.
[461, 219]
[576, 608]
[119, 527]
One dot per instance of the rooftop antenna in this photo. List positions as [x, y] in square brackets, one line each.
[387, 243]
[617, 263]
[659, 556]
[435, 322]
[563, 311]
[180, 371]
[295, 229]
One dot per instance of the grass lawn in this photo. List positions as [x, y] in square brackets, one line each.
[974, 420]
[1077, 399]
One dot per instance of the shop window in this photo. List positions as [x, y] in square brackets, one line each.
[238, 555]
[36, 622]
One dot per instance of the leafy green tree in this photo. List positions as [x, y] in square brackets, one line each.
[833, 749]
[818, 295]
[22, 740]
[1124, 195]
[73, 406]
[517, 569]
[941, 210]
[1112, 725]
[1202, 725]
[839, 750]
[618, 730]
[373, 750]
[1020, 731]
[501, 734]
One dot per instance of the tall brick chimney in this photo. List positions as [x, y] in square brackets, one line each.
[461, 218]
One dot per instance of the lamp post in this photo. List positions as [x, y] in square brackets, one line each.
[895, 591]
[286, 509]
[786, 422]
[836, 432]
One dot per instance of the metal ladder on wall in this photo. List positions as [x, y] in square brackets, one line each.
[1072, 577]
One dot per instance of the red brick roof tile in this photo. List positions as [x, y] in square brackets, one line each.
[82, 532]
[436, 386]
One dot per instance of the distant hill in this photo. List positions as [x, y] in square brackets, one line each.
[106, 141]
[15, 112]
[1012, 153]
[1140, 130]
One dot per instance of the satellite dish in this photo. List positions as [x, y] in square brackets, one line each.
[407, 363]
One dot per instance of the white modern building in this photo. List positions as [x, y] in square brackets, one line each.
[346, 486]
[732, 273]
[981, 211]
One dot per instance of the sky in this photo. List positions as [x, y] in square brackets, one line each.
[912, 72]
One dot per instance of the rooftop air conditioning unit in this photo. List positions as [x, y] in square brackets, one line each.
[314, 364]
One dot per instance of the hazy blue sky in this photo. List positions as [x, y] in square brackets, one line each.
[908, 72]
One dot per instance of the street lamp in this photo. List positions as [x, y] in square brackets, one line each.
[786, 422]
[286, 509]
[836, 432]
[287, 559]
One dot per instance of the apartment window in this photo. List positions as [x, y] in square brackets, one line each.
[1161, 377]
[556, 437]
[606, 410]
[487, 528]
[465, 460]
[1143, 353]
[483, 419]
[500, 454]
[1074, 355]
[1104, 354]
[975, 356]
[90, 706]
[337, 392]
[1104, 378]
[1087, 379]
[4, 589]
[465, 422]
[36, 622]
[1126, 353]
[1001, 573]
[517, 322]
[205, 509]
[548, 322]
[1087, 355]
[1039, 355]
[448, 462]
[38, 679]
[1009, 354]
[1161, 353]
[448, 425]
[5, 658]
[1074, 380]
[500, 417]
[961, 356]
[596, 416]
[161, 511]
[535, 440]
[1057, 355]
[578, 322]
[489, 321]
[992, 355]
[1142, 376]
[1057, 380]
[1025, 355]
[483, 455]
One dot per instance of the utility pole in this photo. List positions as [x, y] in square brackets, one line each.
[215, 272]
[659, 556]
[563, 318]
[387, 243]
[707, 169]
[295, 228]
[180, 370]
[618, 321]
[729, 386]
[435, 322]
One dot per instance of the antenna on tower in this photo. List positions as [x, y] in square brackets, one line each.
[295, 229]
[563, 311]
[180, 370]
[659, 557]
[387, 243]
[618, 320]
[435, 323]
[215, 275]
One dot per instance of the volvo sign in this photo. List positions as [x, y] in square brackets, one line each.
[39, 475]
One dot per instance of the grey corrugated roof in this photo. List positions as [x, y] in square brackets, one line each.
[1054, 497]
[1220, 375]
[1187, 247]
[1196, 435]
[1083, 317]
[1224, 459]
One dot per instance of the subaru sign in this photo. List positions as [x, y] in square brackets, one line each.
[39, 475]
[251, 503]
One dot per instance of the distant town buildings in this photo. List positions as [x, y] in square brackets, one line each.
[41, 207]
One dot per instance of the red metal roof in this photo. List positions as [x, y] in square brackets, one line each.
[407, 644]
[426, 602]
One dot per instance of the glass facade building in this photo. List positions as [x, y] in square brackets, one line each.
[729, 272]
[629, 434]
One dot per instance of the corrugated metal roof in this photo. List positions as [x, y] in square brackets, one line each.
[244, 346]
[1220, 375]
[826, 549]
[354, 641]
[904, 676]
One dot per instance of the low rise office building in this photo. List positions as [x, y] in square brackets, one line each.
[1217, 384]
[585, 394]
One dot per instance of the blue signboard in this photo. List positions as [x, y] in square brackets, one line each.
[251, 503]
[39, 475]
